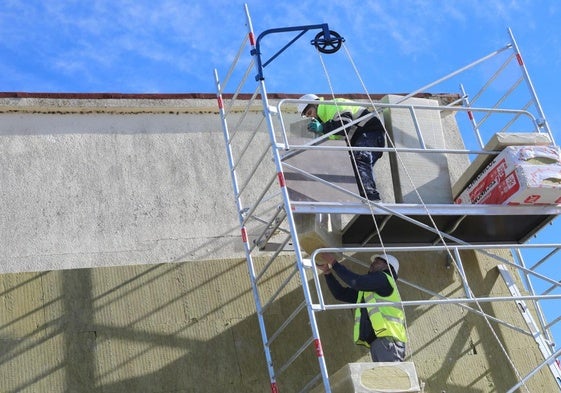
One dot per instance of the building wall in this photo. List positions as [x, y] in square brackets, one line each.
[123, 270]
[88, 183]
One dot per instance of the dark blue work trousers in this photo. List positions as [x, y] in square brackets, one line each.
[363, 162]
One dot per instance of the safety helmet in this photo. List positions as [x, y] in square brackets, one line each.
[303, 106]
[390, 259]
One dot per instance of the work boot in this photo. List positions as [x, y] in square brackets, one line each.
[373, 196]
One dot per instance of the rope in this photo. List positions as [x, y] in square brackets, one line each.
[372, 205]
[411, 345]
[353, 159]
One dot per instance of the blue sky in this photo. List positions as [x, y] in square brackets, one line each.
[173, 46]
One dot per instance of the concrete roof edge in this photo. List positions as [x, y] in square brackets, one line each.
[176, 96]
[132, 103]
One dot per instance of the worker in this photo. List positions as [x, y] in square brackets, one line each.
[367, 133]
[382, 329]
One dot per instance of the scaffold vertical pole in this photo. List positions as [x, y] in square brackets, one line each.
[542, 120]
[286, 200]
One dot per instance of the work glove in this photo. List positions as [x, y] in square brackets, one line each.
[315, 126]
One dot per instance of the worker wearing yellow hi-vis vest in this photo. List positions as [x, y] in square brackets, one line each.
[382, 329]
[366, 133]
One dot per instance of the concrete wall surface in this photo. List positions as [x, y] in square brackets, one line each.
[122, 268]
[432, 183]
[101, 183]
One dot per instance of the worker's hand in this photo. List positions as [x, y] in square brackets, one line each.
[315, 126]
[324, 267]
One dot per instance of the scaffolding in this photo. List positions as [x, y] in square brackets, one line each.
[263, 162]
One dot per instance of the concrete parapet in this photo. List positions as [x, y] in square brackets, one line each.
[424, 176]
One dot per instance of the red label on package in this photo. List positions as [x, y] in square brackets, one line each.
[532, 198]
[504, 190]
[487, 182]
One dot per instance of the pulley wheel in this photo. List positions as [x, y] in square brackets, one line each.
[331, 45]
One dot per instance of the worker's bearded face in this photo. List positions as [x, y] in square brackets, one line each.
[377, 264]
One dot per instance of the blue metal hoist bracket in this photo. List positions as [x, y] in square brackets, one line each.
[326, 41]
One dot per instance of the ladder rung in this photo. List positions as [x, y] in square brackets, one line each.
[272, 226]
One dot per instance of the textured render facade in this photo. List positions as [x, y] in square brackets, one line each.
[123, 271]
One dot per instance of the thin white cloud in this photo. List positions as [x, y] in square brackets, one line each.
[186, 39]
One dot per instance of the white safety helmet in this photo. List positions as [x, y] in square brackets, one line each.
[303, 106]
[390, 259]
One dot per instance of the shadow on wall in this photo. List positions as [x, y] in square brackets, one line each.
[453, 346]
[186, 327]
[191, 327]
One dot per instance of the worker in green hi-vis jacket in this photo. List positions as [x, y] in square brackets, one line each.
[367, 133]
[379, 328]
